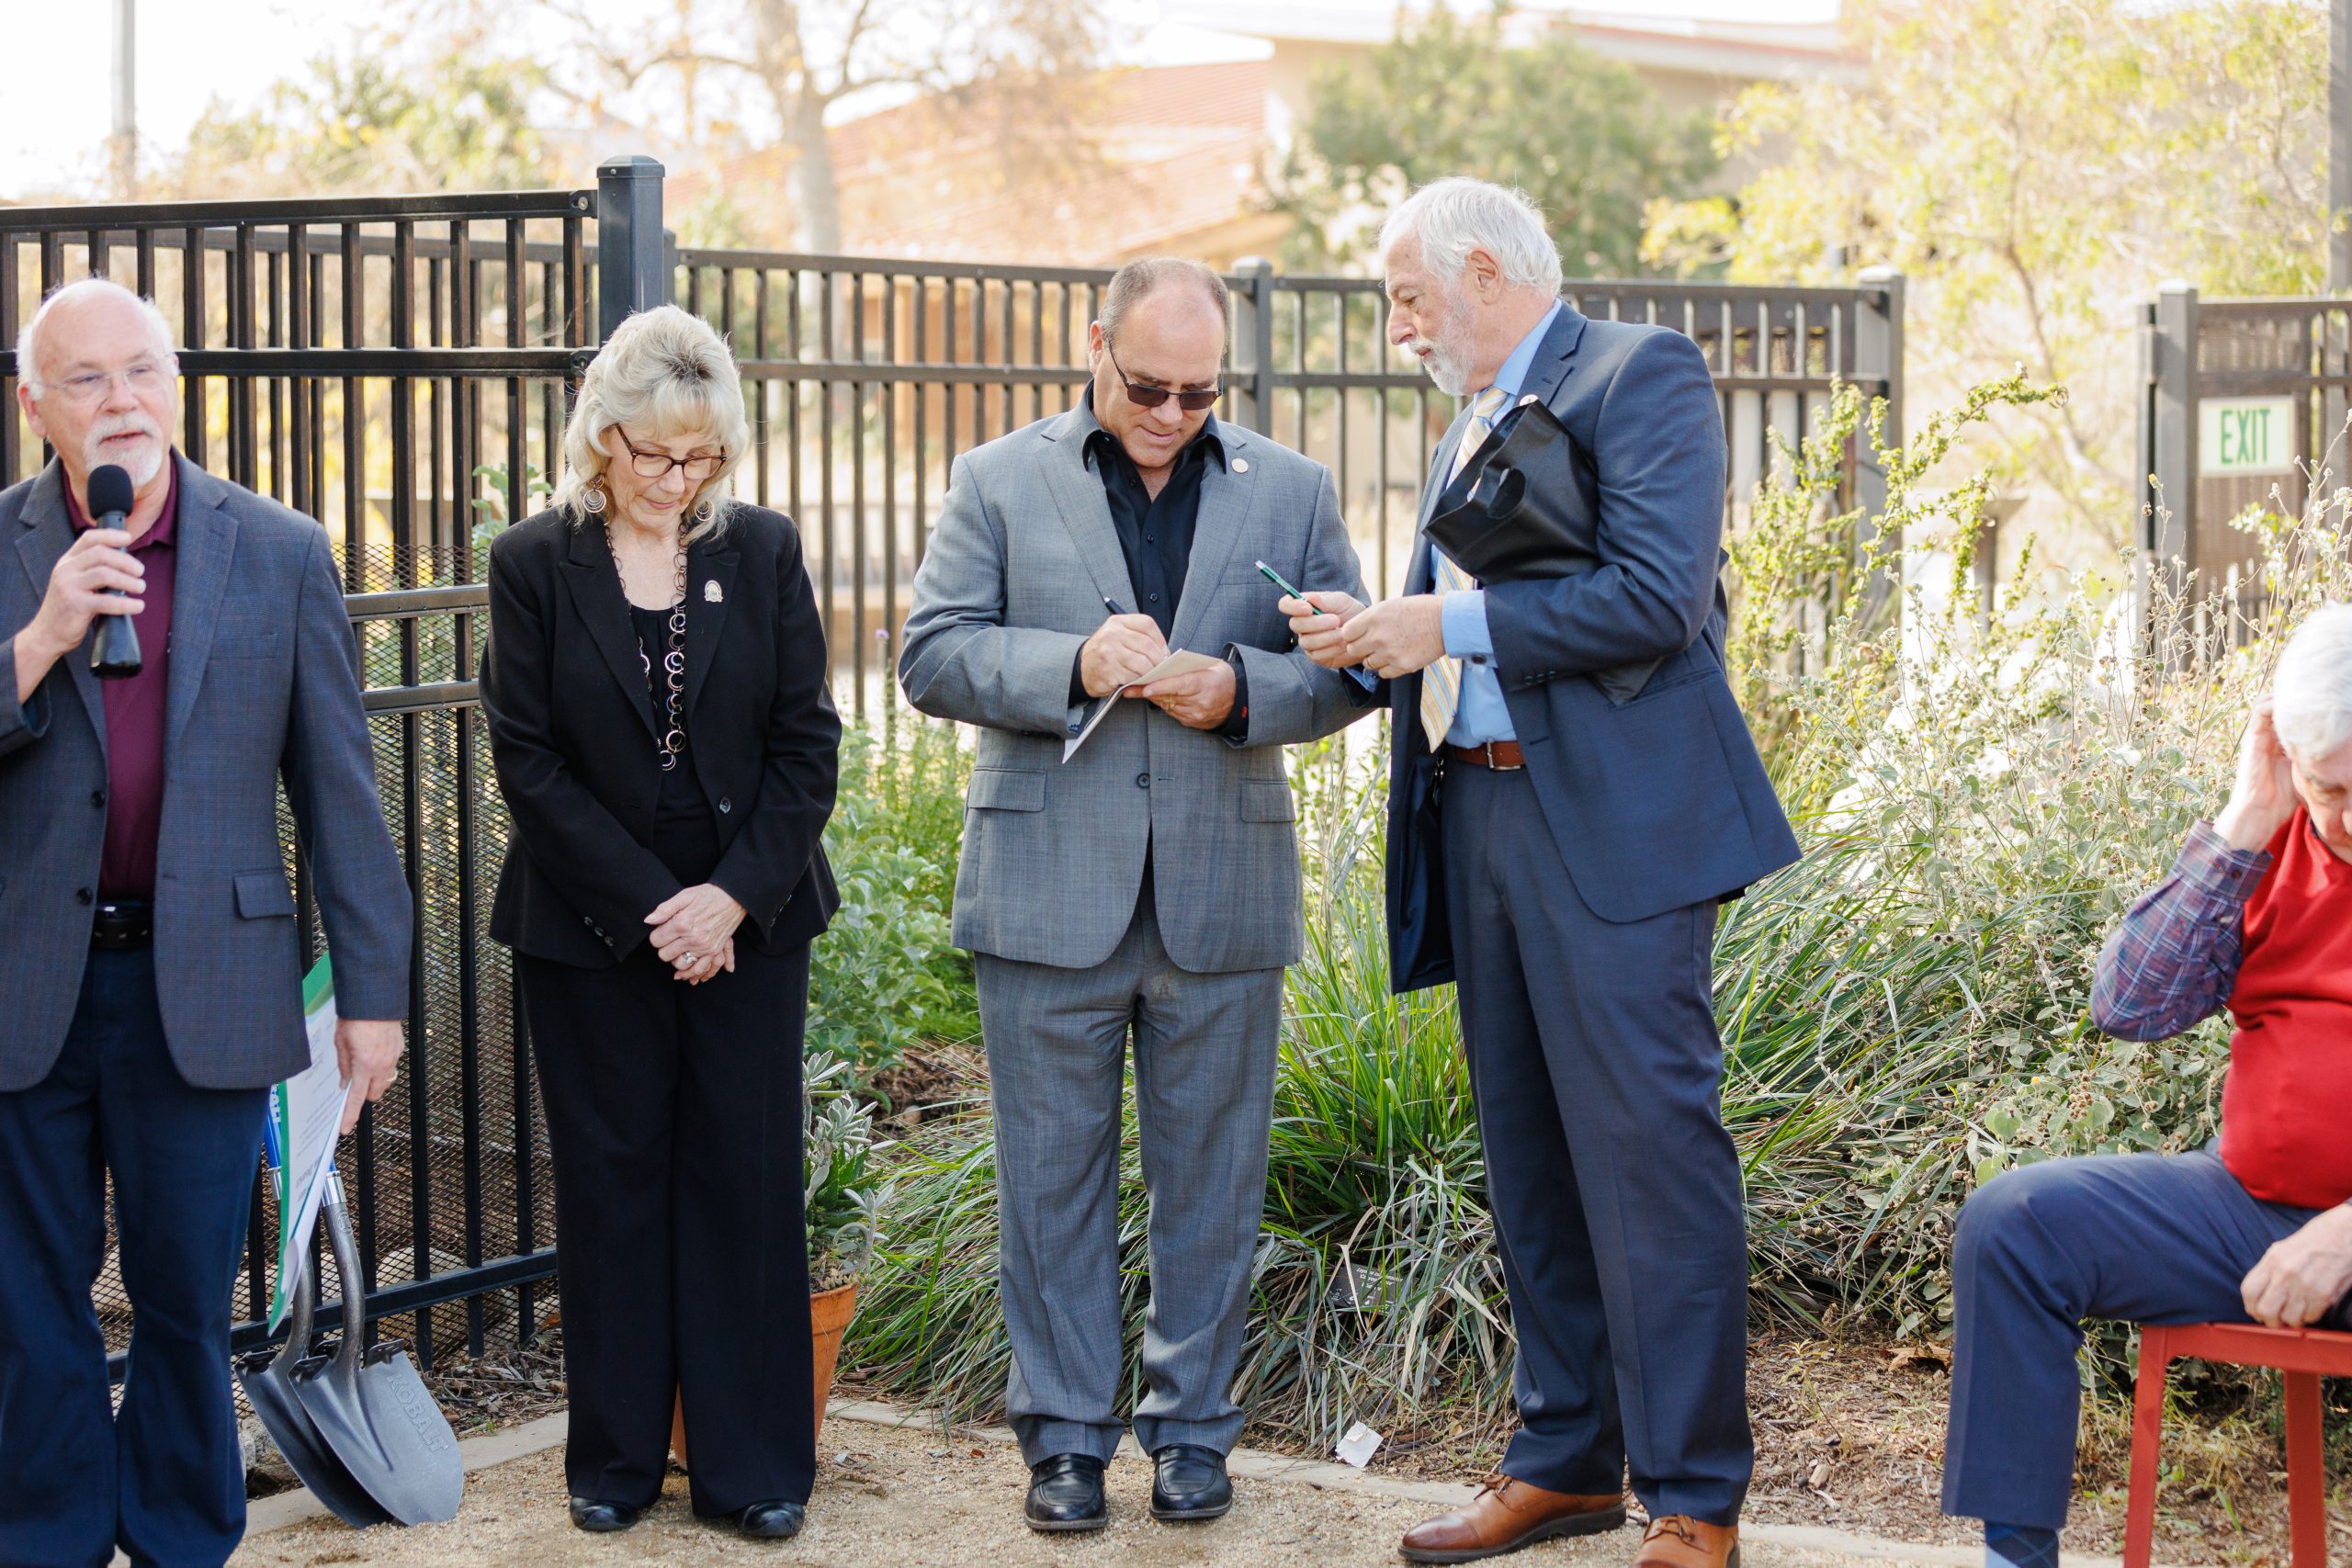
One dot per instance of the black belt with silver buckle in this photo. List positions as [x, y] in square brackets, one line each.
[123, 923]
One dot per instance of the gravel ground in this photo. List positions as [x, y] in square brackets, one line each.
[911, 1496]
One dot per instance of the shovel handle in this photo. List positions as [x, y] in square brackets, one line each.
[297, 1322]
[346, 1268]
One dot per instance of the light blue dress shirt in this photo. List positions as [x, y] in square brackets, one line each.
[1482, 716]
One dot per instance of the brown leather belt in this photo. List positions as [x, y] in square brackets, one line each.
[1503, 755]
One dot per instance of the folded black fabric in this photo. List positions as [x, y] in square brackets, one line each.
[1522, 509]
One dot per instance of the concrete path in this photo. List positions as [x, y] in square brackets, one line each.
[895, 1489]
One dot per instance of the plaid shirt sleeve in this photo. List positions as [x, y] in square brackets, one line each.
[2174, 961]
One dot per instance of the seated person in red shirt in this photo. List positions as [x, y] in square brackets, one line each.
[2256, 917]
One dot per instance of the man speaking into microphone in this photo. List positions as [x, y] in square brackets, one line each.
[148, 952]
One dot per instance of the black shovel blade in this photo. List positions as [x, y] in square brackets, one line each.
[269, 1388]
[377, 1415]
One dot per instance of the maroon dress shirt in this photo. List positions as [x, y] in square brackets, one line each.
[134, 799]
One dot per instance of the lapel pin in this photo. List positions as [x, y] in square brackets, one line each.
[1241, 465]
[711, 592]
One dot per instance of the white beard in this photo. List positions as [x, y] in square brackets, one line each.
[143, 463]
[1449, 369]
[1448, 359]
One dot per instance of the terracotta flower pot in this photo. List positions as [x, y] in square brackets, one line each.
[829, 1316]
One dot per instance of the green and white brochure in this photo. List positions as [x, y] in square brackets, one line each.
[305, 1111]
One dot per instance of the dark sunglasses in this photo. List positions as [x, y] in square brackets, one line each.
[1145, 397]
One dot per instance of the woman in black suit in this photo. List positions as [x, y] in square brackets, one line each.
[655, 686]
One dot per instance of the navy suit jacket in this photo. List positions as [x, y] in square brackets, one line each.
[1656, 803]
[264, 690]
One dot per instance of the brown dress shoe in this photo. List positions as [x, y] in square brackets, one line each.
[1678, 1541]
[1506, 1515]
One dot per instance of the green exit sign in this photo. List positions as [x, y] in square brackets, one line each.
[2245, 437]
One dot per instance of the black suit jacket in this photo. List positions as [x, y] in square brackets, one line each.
[572, 734]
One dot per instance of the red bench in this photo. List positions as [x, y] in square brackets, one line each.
[2305, 1354]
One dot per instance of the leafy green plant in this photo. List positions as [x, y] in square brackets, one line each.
[842, 1192]
[490, 507]
[885, 976]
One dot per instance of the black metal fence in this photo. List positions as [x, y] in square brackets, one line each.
[400, 368]
[2244, 406]
[867, 377]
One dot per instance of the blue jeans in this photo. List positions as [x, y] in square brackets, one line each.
[2135, 1238]
[161, 1478]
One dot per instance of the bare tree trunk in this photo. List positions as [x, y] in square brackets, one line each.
[816, 194]
[800, 101]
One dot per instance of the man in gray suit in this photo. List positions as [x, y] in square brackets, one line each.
[147, 933]
[1150, 884]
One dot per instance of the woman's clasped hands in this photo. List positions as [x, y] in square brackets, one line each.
[694, 932]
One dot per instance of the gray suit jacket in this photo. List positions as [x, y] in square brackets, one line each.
[265, 685]
[1013, 584]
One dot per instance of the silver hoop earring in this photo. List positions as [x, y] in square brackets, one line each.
[592, 499]
[704, 512]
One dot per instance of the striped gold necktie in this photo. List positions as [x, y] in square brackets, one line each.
[1441, 681]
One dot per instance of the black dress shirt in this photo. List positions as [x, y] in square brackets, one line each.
[1156, 536]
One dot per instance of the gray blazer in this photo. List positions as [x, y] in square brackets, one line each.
[265, 687]
[1013, 584]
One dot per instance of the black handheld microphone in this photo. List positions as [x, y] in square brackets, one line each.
[114, 650]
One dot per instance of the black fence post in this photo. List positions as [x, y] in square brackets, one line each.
[1253, 341]
[1878, 363]
[2168, 462]
[632, 252]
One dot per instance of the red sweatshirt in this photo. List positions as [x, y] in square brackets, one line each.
[2287, 1102]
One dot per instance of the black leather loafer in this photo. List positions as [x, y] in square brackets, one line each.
[772, 1521]
[602, 1518]
[1066, 1493]
[1189, 1481]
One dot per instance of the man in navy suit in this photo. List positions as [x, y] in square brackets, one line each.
[148, 951]
[1558, 846]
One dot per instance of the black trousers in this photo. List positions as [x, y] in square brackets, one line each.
[162, 1477]
[1595, 1068]
[674, 1112]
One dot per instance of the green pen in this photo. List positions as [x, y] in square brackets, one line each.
[1363, 677]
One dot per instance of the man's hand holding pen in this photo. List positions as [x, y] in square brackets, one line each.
[1121, 648]
[1126, 646]
[1319, 622]
[1394, 637]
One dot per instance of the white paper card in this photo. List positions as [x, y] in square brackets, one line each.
[1360, 1443]
[305, 1120]
[1177, 663]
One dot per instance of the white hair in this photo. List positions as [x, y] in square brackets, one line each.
[2311, 697]
[664, 373]
[1453, 217]
[28, 340]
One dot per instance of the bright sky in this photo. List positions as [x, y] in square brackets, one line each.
[55, 117]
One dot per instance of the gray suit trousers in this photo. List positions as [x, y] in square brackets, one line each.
[1204, 1050]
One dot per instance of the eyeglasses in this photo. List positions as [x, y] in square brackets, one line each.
[1145, 397]
[646, 465]
[89, 390]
